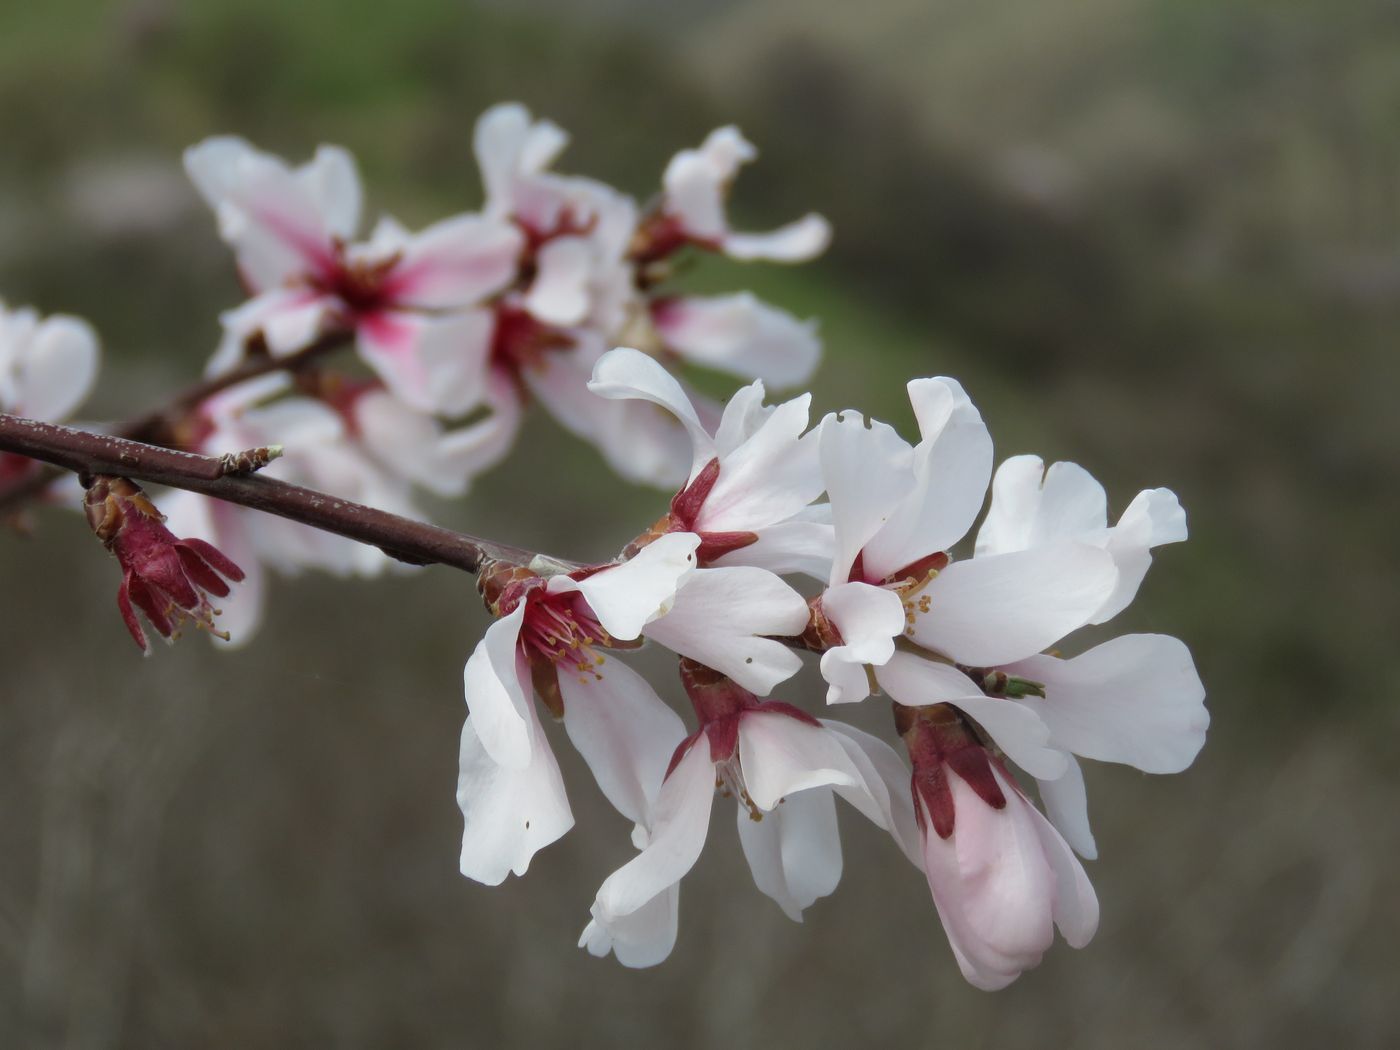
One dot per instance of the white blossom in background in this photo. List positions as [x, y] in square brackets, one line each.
[47, 369]
[412, 299]
[320, 452]
[594, 267]
[47, 364]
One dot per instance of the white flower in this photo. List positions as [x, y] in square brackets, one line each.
[1033, 507]
[762, 754]
[696, 184]
[553, 637]
[751, 481]
[577, 230]
[47, 365]
[411, 298]
[897, 510]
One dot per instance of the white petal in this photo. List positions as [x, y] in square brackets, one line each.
[334, 183]
[868, 472]
[680, 822]
[57, 370]
[1135, 699]
[559, 294]
[640, 442]
[433, 363]
[627, 597]
[494, 680]
[456, 263]
[640, 939]
[798, 241]
[271, 216]
[721, 617]
[768, 478]
[696, 180]
[417, 446]
[992, 610]
[1076, 910]
[508, 145]
[509, 813]
[794, 852]
[741, 335]
[1016, 729]
[624, 732]
[1067, 806]
[744, 414]
[1015, 502]
[1152, 519]
[882, 792]
[869, 620]
[993, 885]
[781, 755]
[789, 547]
[625, 373]
[952, 465]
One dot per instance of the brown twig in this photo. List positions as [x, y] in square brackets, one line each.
[415, 542]
[158, 427]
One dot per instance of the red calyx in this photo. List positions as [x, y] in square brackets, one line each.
[167, 578]
[940, 739]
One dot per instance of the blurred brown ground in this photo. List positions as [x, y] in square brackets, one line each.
[1158, 237]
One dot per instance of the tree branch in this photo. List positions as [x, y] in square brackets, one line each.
[157, 426]
[415, 542]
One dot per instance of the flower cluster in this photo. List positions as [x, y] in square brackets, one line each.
[460, 325]
[962, 646]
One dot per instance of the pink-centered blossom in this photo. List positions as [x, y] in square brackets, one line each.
[413, 300]
[753, 476]
[556, 637]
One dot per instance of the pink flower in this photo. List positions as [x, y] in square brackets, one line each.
[168, 579]
[412, 299]
[1001, 877]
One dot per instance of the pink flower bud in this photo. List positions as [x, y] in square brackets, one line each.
[168, 579]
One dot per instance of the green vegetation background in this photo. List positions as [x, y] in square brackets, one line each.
[1158, 237]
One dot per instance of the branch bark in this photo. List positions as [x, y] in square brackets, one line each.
[415, 542]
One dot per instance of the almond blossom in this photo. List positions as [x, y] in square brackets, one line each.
[412, 299]
[591, 278]
[761, 754]
[1002, 878]
[753, 476]
[551, 639]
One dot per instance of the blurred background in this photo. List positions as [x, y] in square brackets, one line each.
[1157, 237]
